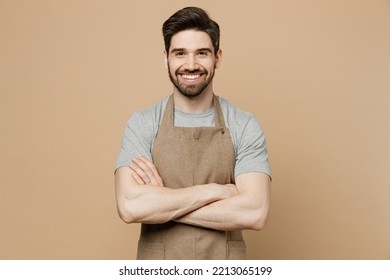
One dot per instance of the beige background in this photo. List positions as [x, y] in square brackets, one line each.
[315, 73]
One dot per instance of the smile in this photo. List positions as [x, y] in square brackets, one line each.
[191, 77]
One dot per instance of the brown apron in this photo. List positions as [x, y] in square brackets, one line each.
[184, 157]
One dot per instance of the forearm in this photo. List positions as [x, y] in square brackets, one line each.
[155, 204]
[247, 210]
[227, 215]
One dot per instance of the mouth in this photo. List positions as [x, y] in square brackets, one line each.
[191, 77]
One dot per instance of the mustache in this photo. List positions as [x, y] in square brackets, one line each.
[191, 72]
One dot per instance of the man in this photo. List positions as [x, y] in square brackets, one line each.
[193, 169]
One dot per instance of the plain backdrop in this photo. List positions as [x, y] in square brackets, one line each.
[316, 74]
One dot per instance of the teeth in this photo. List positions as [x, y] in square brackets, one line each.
[191, 77]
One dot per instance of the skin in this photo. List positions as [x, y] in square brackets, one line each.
[140, 192]
[191, 52]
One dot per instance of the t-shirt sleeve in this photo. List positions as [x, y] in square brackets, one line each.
[136, 140]
[252, 154]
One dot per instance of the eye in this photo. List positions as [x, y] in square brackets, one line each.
[202, 53]
[179, 53]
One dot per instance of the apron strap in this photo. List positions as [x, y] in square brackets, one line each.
[218, 115]
[168, 113]
[169, 109]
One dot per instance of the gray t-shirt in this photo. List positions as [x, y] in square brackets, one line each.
[247, 136]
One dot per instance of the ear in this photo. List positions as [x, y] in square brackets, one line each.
[218, 58]
[165, 60]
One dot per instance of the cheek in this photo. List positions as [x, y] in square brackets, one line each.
[211, 68]
[173, 67]
[210, 65]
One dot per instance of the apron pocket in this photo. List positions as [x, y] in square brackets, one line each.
[150, 250]
[236, 250]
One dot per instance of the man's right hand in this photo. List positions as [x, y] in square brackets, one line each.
[227, 190]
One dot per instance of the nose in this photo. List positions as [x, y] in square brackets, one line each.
[191, 64]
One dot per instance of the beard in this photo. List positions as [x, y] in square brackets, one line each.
[191, 91]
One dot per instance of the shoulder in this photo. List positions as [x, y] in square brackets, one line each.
[235, 117]
[154, 111]
[244, 128]
[248, 139]
[140, 132]
[150, 117]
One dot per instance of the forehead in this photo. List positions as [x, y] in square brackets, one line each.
[191, 40]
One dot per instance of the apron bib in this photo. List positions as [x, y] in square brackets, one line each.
[187, 156]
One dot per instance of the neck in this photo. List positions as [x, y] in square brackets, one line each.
[193, 105]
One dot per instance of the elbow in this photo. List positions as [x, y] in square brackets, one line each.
[259, 220]
[126, 217]
[259, 224]
[260, 216]
[131, 212]
[127, 213]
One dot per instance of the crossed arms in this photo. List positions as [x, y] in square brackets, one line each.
[142, 198]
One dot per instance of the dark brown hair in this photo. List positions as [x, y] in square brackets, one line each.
[190, 18]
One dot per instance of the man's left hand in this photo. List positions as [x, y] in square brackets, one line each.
[145, 172]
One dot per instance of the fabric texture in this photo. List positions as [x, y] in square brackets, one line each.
[184, 157]
[247, 135]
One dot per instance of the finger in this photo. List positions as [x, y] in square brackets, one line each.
[154, 170]
[144, 177]
[137, 178]
[156, 176]
[146, 168]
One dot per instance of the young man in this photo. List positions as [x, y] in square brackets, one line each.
[193, 169]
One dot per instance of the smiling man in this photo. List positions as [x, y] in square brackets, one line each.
[191, 68]
[193, 168]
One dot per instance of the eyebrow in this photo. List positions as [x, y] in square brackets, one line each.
[205, 50]
[177, 50]
[198, 50]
